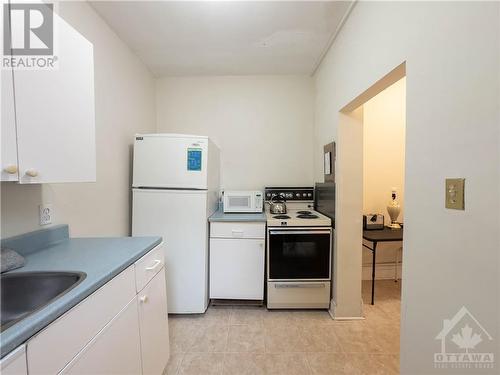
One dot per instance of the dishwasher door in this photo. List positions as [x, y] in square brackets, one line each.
[237, 268]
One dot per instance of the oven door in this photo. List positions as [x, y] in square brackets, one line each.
[299, 254]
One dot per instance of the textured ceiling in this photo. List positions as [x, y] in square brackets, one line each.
[225, 38]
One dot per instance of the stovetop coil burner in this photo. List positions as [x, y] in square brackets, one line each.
[281, 217]
[304, 212]
[308, 216]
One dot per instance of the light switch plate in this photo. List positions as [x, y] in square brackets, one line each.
[455, 193]
[45, 214]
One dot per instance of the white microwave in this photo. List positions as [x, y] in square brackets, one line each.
[243, 201]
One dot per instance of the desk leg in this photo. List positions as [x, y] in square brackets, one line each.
[396, 266]
[373, 271]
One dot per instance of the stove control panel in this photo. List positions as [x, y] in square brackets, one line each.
[297, 194]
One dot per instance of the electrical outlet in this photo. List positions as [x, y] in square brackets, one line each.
[45, 214]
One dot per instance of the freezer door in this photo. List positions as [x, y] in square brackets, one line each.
[180, 217]
[170, 161]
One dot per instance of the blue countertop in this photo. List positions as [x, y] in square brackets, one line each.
[52, 250]
[221, 216]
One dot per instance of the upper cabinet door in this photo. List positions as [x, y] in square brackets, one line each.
[55, 113]
[8, 117]
[9, 145]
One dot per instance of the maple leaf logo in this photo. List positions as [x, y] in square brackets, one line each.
[465, 339]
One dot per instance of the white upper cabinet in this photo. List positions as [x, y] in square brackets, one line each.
[55, 115]
[9, 144]
[8, 117]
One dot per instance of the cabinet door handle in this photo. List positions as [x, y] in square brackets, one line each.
[11, 169]
[237, 233]
[143, 299]
[31, 173]
[155, 266]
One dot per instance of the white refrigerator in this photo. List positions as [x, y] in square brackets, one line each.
[175, 189]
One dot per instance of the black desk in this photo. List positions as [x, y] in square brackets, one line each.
[375, 236]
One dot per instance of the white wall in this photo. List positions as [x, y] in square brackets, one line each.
[125, 104]
[262, 124]
[451, 258]
[346, 283]
[384, 123]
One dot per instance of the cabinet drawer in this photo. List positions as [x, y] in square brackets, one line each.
[298, 295]
[148, 266]
[54, 347]
[238, 230]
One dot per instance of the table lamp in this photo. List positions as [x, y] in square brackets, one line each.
[394, 209]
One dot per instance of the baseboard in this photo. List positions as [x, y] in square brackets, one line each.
[331, 311]
[350, 318]
[383, 271]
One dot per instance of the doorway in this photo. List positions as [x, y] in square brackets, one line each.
[378, 162]
[384, 125]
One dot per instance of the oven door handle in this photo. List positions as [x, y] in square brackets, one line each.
[299, 232]
[304, 285]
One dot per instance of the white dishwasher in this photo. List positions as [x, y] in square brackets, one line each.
[237, 255]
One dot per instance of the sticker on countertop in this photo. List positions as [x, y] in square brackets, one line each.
[194, 159]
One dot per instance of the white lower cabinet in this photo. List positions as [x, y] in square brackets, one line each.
[237, 264]
[84, 321]
[15, 362]
[153, 324]
[115, 350]
[115, 330]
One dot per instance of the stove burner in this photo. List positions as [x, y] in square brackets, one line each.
[281, 217]
[304, 212]
[308, 216]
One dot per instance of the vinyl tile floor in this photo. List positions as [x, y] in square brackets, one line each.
[253, 340]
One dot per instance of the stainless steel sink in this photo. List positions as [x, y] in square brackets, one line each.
[26, 292]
